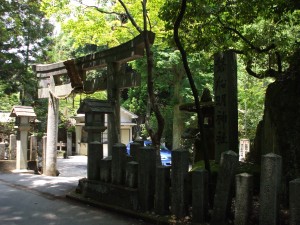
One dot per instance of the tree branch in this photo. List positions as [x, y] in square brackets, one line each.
[130, 17]
[267, 73]
[192, 82]
[252, 46]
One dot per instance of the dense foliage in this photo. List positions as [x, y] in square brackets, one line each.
[25, 36]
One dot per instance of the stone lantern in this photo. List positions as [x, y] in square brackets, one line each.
[24, 115]
[95, 111]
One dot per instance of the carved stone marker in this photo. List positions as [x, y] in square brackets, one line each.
[295, 202]
[243, 198]
[180, 168]
[200, 195]
[226, 111]
[223, 195]
[270, 179]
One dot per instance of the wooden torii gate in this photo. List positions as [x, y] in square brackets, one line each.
[58, 80]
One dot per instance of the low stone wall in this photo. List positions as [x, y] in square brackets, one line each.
[6, 166]
[109, 193]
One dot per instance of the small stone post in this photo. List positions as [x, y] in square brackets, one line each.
[12, 146]
[294, 202]
[69, 144]
[146, 177]
[223, 195]
[243, 198]
[270, 180]
[200, 195]
[33, 147]
[44, 140]
[2, 151]
[180, 168]
[131, 174]
[118, 163]
[162, 190]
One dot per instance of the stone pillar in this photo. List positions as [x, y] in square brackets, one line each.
[69, 144]
[113, 95]
[2, 151]
[270, 179]
[33, 147]
[78, 131]
[131, 174]
[134, 150]
[146, 177]
[226, 111]
[162, 190]
[50, 168]
[294, 187]
[223, 194]
[95, 154]
[12, 146]
[22, 141]
[243, 198]
[118, 163]
[180, 167]
[200, 195]
[44, 139]
[105, 169]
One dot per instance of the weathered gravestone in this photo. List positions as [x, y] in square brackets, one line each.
[226, 111]
[59, 80]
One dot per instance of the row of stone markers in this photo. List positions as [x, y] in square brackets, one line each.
[136, 183]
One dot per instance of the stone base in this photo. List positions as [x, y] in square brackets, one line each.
[109, 194]
[7, 166]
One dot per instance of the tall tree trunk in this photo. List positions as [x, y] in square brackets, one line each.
[192, 84]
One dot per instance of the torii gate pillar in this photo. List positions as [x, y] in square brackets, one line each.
[113, 94]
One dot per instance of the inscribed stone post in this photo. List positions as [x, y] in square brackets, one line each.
[270, 179]
[118, 163]
[146, 177]
[226, 112]
[243, 198]
[180, 167]
[199, 195]
[12, 146]
[294, 187]
[223, 194]
[33, 147]
[69, 144]
[162, 190]
[2, 151]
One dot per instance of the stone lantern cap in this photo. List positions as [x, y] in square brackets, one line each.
[95, 106]
[23, 111]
